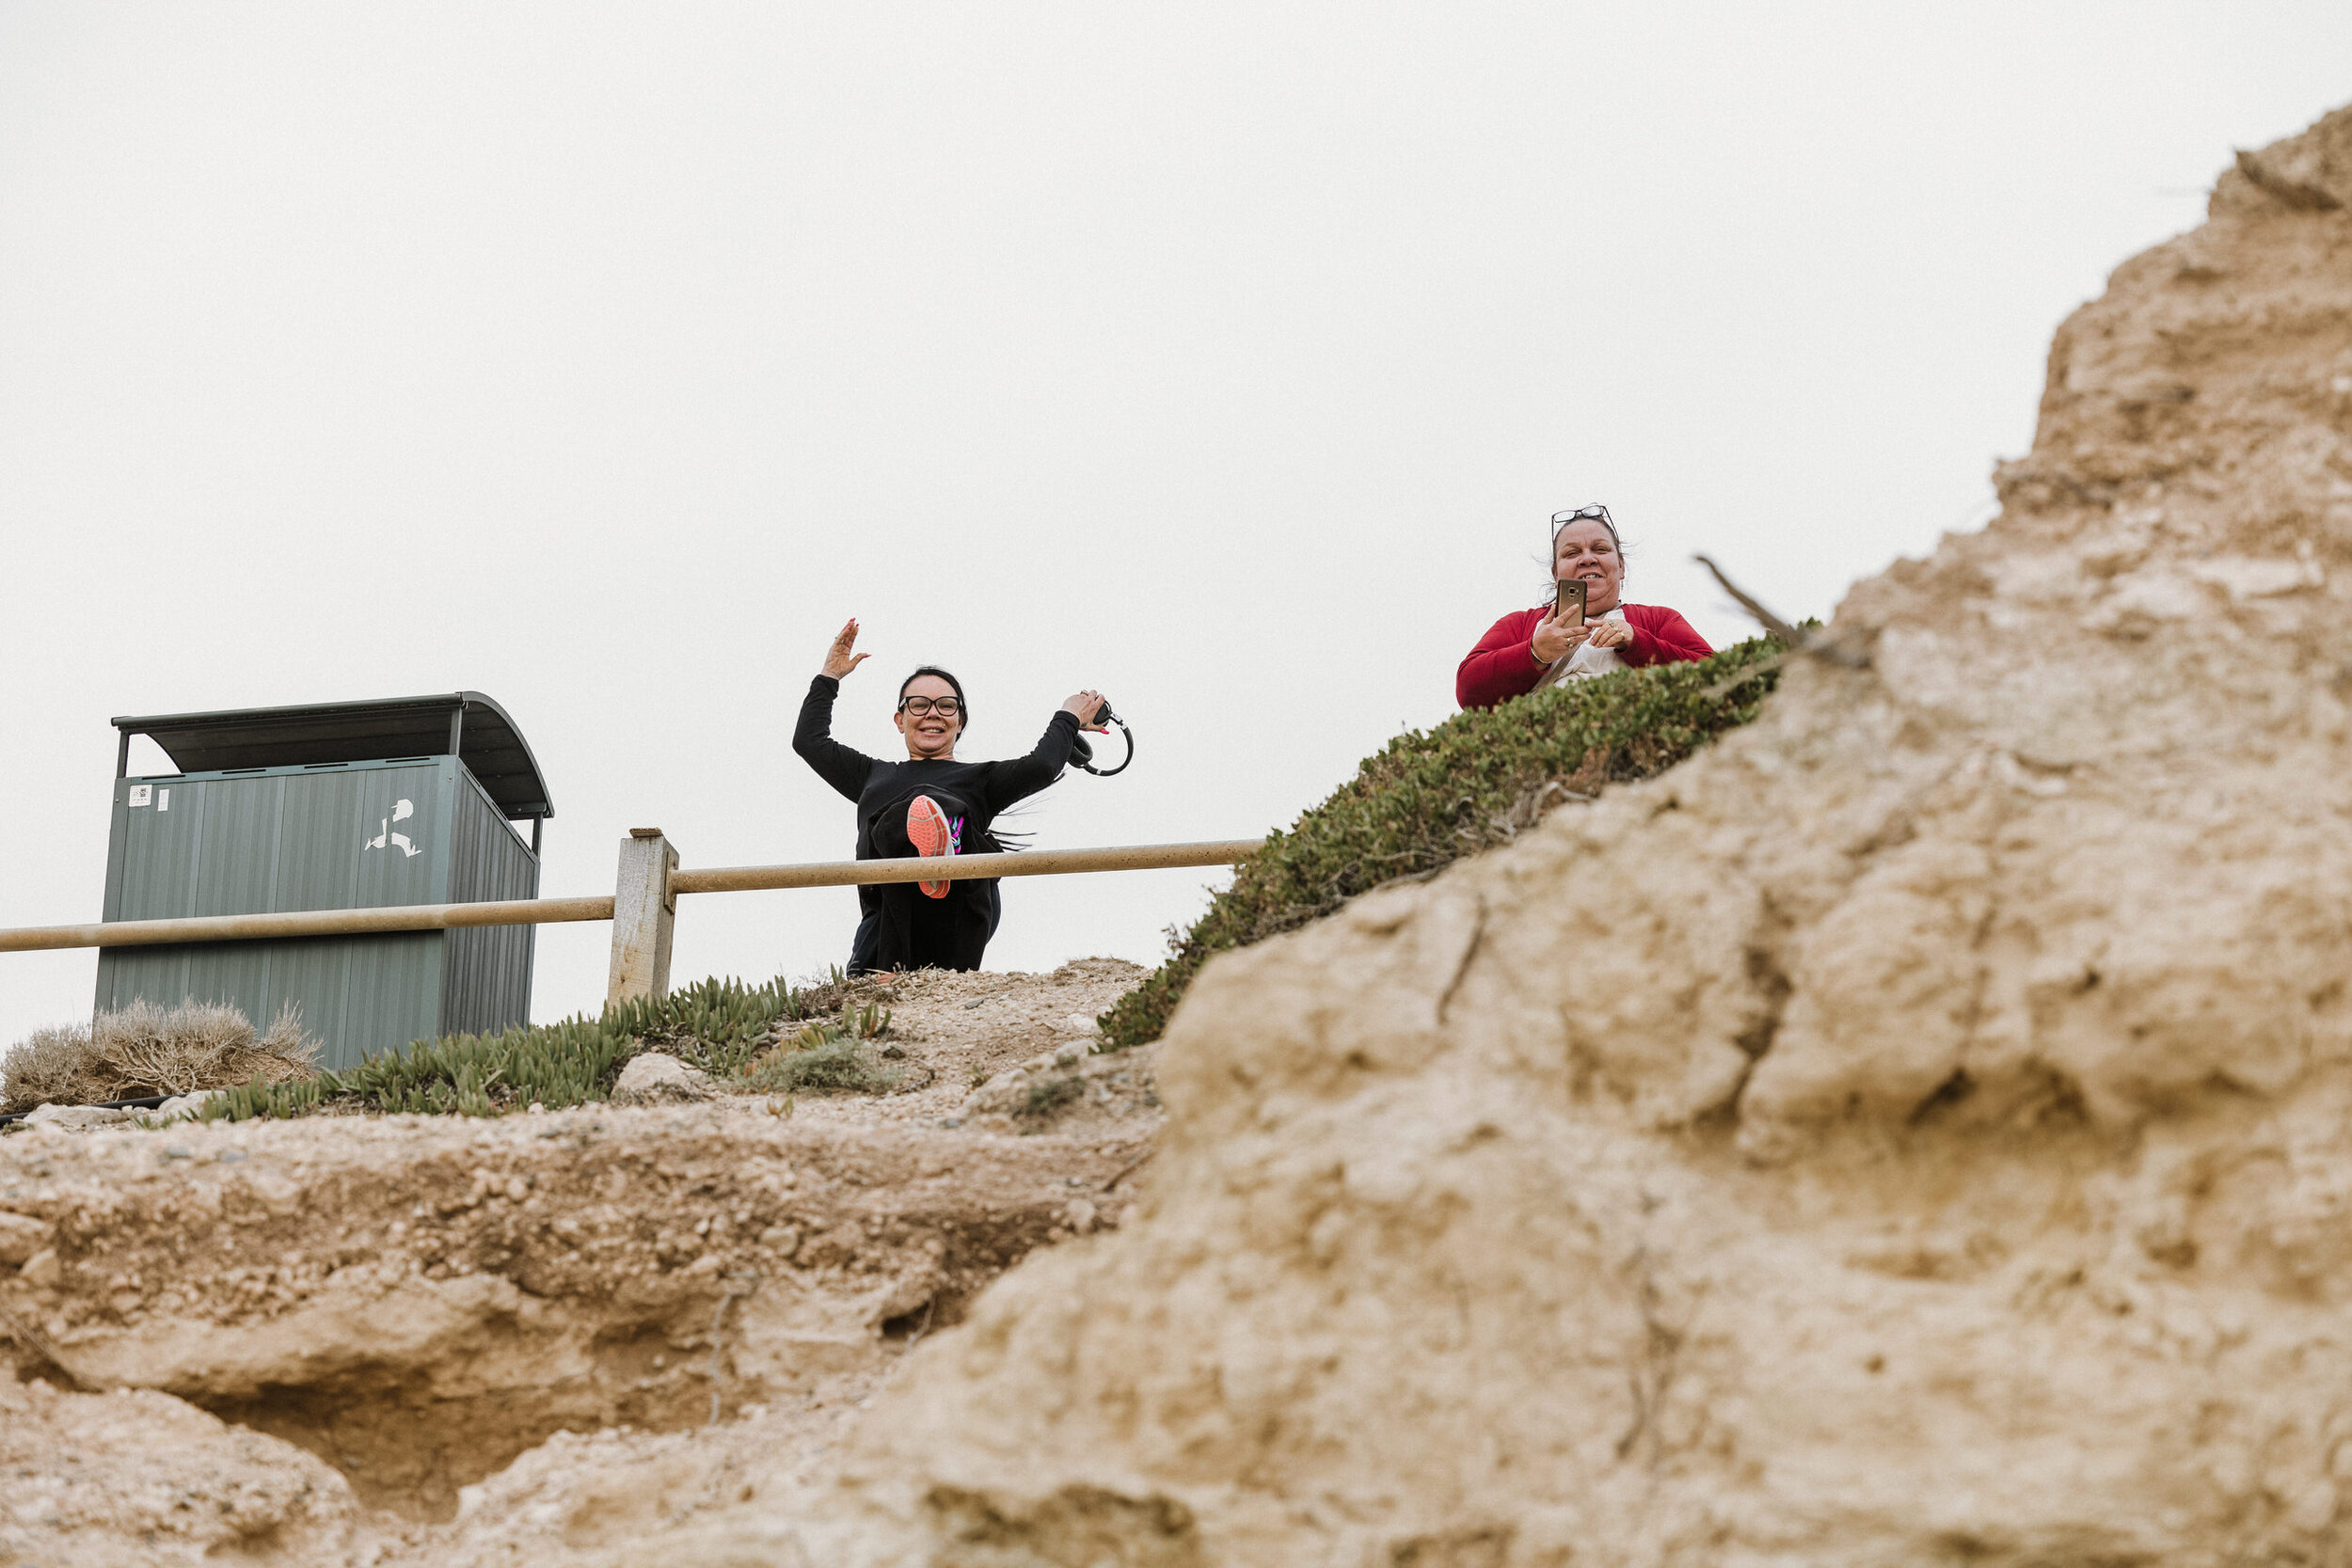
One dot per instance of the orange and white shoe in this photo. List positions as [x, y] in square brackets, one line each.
[927, 830]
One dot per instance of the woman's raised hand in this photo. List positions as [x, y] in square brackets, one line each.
[1084, 706]
[1555, 638]
[839, 661]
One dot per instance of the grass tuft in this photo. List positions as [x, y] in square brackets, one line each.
[839, 1064]
[1048, 1095]
[737, 1033]
[1473, 782]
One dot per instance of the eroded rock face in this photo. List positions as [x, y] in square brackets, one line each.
[419, 1300]
[100, 1479]
[1941, 1151]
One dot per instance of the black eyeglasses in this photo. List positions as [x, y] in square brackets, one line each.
[1562, 519]
[946, 708]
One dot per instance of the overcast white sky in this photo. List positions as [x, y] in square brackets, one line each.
[1226, 356]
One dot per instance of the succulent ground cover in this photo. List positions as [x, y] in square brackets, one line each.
[773, 1036]
[1432, 797]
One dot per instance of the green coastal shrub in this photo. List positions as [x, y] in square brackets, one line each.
[1471, 783]
[724, 1027]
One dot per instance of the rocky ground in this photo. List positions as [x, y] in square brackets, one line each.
[324, 1340]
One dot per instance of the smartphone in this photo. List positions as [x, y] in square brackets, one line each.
[1569, 606]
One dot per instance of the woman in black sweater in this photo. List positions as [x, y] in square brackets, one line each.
[930, 804]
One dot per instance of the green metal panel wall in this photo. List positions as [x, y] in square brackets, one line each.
[316, 838]
[485, 980]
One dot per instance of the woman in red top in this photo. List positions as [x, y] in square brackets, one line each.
[1529, 648]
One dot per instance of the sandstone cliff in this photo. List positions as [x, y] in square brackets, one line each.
[1924, 1137]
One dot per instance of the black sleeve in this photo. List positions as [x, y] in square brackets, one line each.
[1020, 777]
[837, 764]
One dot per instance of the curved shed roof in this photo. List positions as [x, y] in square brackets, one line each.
[492, 749]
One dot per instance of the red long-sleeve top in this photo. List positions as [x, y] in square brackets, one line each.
[1504, 666]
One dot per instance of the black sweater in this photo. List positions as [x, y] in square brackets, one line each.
[902, 928]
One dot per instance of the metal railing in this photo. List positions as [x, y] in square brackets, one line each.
[642, 907]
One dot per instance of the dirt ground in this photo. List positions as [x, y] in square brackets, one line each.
[418, 1340]
[959, 1032]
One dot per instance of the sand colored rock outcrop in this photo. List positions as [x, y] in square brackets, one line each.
[96, 1481]
[316, 1342]
[1925, 1136]
[420, 1300]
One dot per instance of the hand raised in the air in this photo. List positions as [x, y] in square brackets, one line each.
[839, 661]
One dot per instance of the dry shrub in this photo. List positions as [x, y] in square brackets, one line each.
[144, 1050]
[50, 1066]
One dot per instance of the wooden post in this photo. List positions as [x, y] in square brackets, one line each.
[644, 910]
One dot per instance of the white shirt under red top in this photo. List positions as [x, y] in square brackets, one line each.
[1504, 666]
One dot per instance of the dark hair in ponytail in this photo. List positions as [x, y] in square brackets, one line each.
[963, 703]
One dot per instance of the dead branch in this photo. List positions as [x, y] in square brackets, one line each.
[1809, 643]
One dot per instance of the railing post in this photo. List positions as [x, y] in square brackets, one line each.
[643, 911]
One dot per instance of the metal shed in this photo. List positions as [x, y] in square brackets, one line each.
[334, 806]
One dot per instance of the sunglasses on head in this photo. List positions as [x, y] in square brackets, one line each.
[1562, 519]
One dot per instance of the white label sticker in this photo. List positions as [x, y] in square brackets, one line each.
[163, 800]
[141, 794]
